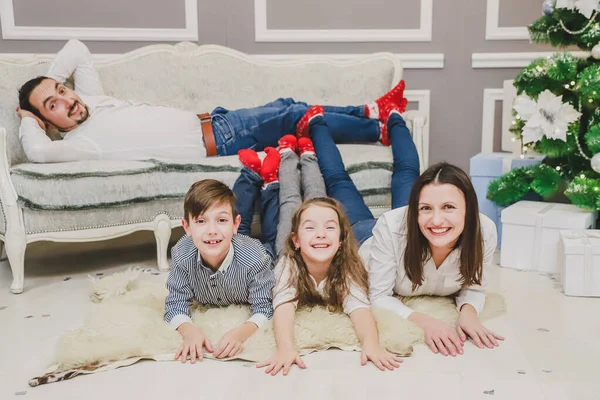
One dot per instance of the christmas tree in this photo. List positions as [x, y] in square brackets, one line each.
[557, 110]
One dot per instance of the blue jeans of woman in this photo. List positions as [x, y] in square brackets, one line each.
[260, 127]
[339, 185]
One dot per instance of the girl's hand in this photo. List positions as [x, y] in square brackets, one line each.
[380, 357]
[469, 324]
[283, 358]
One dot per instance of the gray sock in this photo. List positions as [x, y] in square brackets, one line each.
[290, 197]
[313, 184]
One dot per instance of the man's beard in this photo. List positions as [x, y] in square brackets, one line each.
[84, 113]
[82, 118]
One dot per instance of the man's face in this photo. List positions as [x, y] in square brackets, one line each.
[60, 106]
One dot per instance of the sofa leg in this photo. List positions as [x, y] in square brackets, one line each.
[16, 243]
[162, 233]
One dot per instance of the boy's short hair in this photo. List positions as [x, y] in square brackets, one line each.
[204, 194]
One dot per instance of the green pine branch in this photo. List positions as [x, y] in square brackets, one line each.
[513, 186]
[584, 192]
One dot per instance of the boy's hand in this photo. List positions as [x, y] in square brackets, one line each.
[193, 341]
[283, 358]
[232, 343]
[23, 114]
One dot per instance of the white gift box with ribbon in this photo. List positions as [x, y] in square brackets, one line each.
[579, 262]
[531, 233]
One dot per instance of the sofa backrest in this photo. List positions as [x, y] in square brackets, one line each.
[200, 78]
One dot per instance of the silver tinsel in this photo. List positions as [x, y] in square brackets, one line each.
[595, 163]
[548, 7]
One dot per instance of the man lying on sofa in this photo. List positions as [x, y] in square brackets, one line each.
[94, 126]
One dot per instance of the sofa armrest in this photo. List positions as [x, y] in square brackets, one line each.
[7, 192]
[416, 122]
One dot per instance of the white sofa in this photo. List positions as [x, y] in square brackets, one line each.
[99, 200]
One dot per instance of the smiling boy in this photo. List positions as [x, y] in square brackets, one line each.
[215, 265]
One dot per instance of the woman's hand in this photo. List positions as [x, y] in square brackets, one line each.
[440, 338]
[469, 324]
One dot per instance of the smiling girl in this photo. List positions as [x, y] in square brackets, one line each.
[321, 266]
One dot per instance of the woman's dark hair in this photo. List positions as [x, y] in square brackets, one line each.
[470, 241]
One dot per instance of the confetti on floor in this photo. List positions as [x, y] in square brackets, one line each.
[100, 274]
[156, 273]
[22, 393]
[28, 316]
[68, 278]
[547, 370]
[521, 372]
[543, 330]
[45, 315]
[3, 308]
[490, 392]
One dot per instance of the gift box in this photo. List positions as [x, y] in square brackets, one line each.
[531, 233]
[579, 262]
[485, 167]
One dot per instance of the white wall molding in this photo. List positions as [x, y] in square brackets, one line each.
[421, 34]
[490, 97]
[409, 61]
[512, 60]
[423, 99]
[11, 31]
[492, 29]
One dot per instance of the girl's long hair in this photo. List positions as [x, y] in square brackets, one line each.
[346, 266]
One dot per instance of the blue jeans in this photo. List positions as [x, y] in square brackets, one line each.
[260, 127]
[247, 189]
[340, 186]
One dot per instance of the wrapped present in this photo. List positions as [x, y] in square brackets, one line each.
[484, 168]
[579, 262]
[531, 233]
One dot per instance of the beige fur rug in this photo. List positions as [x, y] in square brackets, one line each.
[127, 326]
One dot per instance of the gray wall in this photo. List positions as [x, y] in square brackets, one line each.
[458, 32]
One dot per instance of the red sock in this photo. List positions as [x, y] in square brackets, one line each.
[270, 166]
[250, 159]
[395, 96]
[302, 127]
[287, 142]
[402, 105]
[385, 115]
[305, 145]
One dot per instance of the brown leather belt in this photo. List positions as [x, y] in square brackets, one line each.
[207, 132]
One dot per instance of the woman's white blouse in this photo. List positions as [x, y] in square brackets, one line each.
[383, 254]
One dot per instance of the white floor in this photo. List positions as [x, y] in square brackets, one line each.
[569, 351]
